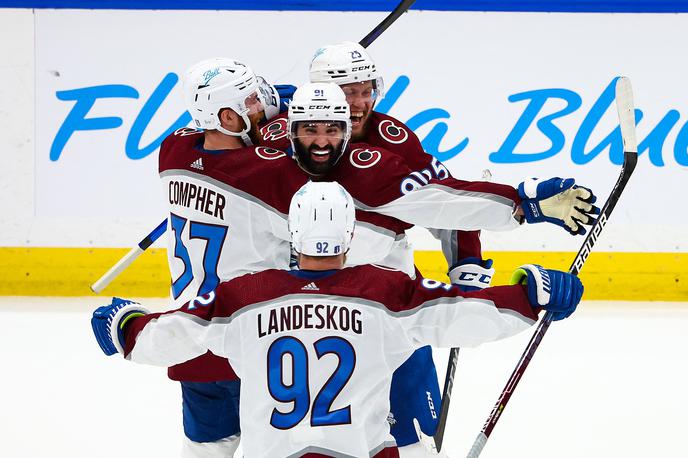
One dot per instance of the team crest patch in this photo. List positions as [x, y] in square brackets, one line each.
[392, 132]
[275, 130]
[269, 153]
[364, 158]
[186, 131]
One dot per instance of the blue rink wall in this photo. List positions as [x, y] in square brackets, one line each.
[513, 87]
[572, 6]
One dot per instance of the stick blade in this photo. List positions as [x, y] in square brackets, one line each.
[624, 105]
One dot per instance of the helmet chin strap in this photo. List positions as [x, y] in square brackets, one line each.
[243, 134]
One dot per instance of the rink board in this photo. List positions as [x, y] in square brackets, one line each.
[70, 271]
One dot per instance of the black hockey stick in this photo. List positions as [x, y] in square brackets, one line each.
[624, 105]
[446, 397]
[401, 8]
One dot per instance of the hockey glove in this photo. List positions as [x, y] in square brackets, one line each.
[552, 290]
[108, 323]
[558, 201]
[472, 274]
[286, 93]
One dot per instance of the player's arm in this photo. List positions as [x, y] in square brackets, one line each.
[473, 205]
[438, 314]
[161, 339]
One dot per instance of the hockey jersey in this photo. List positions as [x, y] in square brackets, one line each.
[316, 350]
[386, 132]
[228, 214]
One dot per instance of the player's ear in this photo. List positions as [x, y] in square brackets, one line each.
[230, 120]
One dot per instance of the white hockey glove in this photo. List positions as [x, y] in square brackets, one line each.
[558, 201]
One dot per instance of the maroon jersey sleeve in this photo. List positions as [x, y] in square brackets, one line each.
[375, 177]
[393, 135]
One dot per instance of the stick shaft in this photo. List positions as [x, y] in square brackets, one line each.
[401, 8]
[624, 102]
[128, 258]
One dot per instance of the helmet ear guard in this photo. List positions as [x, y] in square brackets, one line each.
[321, 219]
[218, 83]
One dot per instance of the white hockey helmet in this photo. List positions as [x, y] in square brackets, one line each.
[319, 102]
[217, 83]
[345, 63]
[321, 219]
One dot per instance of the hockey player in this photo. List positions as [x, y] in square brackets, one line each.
[350, 66]
[228, 206]
[315, 347]
[210, 226]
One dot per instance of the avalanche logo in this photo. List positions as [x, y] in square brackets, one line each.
[186, 131]
[391, 132]
[269, 154]
[363, 158]
[275, 130]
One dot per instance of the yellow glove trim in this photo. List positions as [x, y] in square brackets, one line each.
[129, 317]
[519, 277]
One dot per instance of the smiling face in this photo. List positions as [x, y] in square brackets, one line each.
[361, 98]
[318, 145]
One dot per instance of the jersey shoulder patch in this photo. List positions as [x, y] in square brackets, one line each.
[274, 130]
[392, 131]
[269, 154]
[186, 131]
[365, 157]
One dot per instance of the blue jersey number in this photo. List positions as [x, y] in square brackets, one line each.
[215, 236]
[297, 390]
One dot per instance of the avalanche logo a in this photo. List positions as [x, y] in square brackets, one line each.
[364, 158]
[391, 132]
[275, 130]
[269, 154]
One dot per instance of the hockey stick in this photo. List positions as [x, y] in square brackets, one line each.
[155, 234]
[624, 105]
[134, 253]
[452, 362]
[401, 8]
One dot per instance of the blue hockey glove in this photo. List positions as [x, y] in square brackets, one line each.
[558, 201]
[552, 290]
[108, 323]
[472, 274]
[286, 93]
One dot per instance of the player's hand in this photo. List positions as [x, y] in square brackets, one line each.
[558, 201]
[472, 274]
[108, 323]
[286, 93]
[552, 290]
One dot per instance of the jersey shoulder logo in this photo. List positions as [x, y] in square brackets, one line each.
[364, 158]
[392, 132]
[269, 154]
[275, 130]
[186, 131]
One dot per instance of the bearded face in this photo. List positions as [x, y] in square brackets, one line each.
[318, 145]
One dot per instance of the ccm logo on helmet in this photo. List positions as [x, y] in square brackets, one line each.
[319, 107]
[363, 158]
[358, 69]
[391, 132]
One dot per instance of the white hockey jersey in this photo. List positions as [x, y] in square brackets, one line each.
[316, 350]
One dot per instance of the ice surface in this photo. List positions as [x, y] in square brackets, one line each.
[609, 382]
